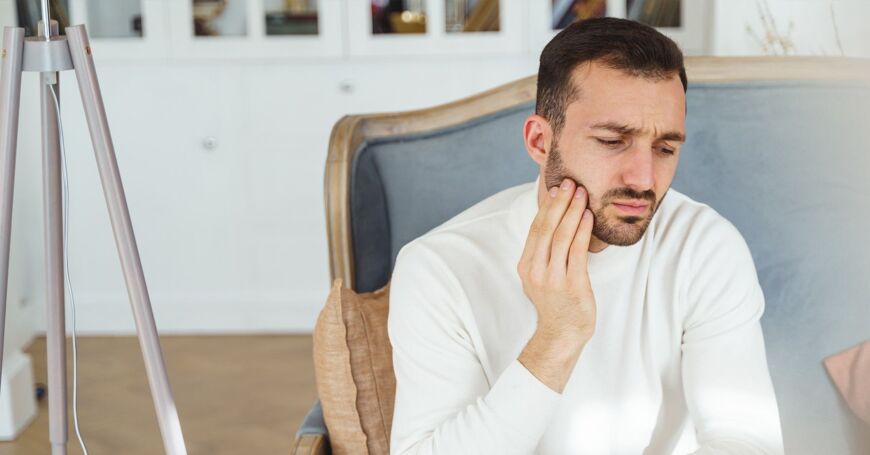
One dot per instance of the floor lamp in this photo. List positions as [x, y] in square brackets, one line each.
[48, 54]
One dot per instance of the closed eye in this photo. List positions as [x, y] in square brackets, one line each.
[609, 142]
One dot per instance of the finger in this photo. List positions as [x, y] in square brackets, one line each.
[554, 212]
[534, 231]
[578, 254]
[567, 230]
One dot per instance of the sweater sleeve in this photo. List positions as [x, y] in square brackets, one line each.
[726, 381]
[445, 404]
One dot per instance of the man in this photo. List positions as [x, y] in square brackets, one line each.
[586, 312]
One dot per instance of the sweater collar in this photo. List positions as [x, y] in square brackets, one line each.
[524, 208]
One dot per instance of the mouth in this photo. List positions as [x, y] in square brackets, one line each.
[632, 207]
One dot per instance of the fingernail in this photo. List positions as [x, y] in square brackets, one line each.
[553, 191]
[566, 184]
[578, 192]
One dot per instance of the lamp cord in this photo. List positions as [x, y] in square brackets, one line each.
[64, 175]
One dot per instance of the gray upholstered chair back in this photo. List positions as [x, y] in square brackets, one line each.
[787, 163]
[403, 188]
[786, 159]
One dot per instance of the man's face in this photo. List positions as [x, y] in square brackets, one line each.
[621, 141]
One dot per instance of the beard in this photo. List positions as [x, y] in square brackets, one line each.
[611, 229]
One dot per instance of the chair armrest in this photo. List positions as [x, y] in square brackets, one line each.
[312, 438]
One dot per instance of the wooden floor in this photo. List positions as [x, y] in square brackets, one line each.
[235, 395]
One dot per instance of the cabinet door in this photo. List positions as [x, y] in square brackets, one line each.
[255, 29]
[123, 29]
[436, 27]
[548, 17]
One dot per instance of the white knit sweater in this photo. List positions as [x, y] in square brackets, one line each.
[676, 365]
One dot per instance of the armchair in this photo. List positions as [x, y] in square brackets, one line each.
[774, 144]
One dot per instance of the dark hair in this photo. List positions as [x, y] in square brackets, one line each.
[621, 44]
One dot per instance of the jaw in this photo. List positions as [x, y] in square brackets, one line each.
[619, 229]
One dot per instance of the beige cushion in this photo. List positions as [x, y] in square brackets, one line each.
[353, 367]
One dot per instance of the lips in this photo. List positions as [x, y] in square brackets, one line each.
[632, 203]
[631, 207]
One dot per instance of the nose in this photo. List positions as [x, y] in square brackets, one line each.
[638, 171]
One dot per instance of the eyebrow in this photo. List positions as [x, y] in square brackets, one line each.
[631, 131]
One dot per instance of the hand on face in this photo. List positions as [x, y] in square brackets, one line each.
[553, 266]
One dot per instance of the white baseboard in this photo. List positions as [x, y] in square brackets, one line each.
[17, 399]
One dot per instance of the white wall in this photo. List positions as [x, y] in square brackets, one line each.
[811, 25]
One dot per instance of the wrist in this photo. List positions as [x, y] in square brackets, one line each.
[551, 357]
[557, 343]
[561, 334]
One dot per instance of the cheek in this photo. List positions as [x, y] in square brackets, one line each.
[597, 173]
[597, 188]
[595, 202]
[664, 178]
[599, 183]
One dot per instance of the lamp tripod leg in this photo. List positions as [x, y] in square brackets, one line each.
[95, 114]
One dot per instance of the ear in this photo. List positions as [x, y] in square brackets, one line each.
[537, 137]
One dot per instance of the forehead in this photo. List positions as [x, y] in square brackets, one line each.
[606, 94]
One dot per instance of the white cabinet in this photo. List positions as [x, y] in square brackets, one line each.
[341, 29]
[168, 30]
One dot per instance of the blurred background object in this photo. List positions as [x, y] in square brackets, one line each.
[115, 18]
[291, 17]
[398, 16]
[472, 15]
[658, 13]
[568, 11]
[29, 14]
[220, 17]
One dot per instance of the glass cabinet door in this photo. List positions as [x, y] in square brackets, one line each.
[115, 18]
[470, 16]
[657, 13]
[432, 27]
[401, 17]
[219, 17]
[291, 17]
[256, 29]
[123, 29]
[684, 21]
[568, 11]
